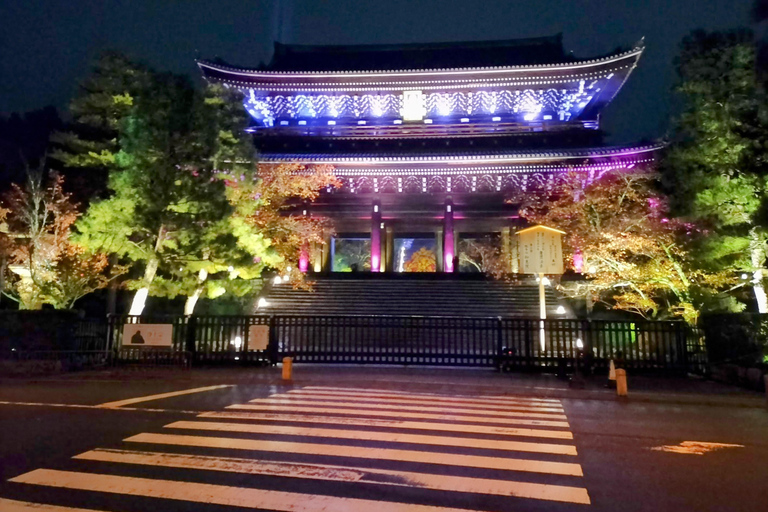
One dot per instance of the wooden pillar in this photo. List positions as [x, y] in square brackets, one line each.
[376, 237]
[390, 249]
[449, 245]
[506, 248]
[325, 265]
[515, 255]
[316, 258]
[440, 252]
[304, 252]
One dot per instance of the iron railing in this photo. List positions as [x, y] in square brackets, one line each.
[520, 344]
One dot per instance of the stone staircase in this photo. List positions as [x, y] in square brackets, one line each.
[411, 295]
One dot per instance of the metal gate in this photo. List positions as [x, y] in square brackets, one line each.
[514, 343]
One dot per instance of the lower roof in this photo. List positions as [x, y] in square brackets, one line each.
[483, 156]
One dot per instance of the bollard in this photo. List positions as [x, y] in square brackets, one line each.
[621, 382]
[287, 368]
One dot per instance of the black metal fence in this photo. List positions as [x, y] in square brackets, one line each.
[737, 346]
[518, 344]
[62, 341]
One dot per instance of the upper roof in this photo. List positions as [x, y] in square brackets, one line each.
[537, 55]
[510, 52]
[454, 89]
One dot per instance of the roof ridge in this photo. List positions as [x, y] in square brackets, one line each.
[552, 39]
[242, 70]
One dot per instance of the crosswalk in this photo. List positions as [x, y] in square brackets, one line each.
[324, 448]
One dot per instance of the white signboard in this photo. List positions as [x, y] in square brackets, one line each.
[147, 335]
[414, 106]
[258, 337]
[540, 250]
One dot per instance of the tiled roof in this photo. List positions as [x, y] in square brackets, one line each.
[330, 61]
[513, 52]
[432, 156]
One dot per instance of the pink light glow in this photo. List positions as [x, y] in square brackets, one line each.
[304, 260]
[303, 263]
[449, 261]
[448, 241]
[578, 261]
[376, 238]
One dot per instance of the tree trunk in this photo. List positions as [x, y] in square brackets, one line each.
[189, 305]
[112, 291]
[3, 266]
[590, 304]
[140, 297]
[757, 254]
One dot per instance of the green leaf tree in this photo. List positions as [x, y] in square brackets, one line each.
[715, 169]
[177, 157]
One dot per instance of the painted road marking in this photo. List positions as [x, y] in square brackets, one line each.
[449, 459]
[695, 447]
[81, 406]
[561, 493]
[367, 435]
[214, 494]
[453, 414]
[417, 402]
[130, 401]
[25, 506]
[412, 425]
[390, 392]
[422, 398]
[491, 411]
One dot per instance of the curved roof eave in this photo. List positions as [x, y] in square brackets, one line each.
[245, 73]
[512, 157]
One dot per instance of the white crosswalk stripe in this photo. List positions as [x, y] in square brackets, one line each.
[341, 436]
[391, 404]
[389, 398]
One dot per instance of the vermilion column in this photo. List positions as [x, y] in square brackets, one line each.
[304, 252]
[304, 258]
[448, 245]
[376, 238]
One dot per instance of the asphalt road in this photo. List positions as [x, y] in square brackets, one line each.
[110, 445]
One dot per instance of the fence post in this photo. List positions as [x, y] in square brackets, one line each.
[272, 348]
[528, 340]
[588, 360]
[189, 342]
[499, 343]
[246, 339]
[113, 350]
[682, 346]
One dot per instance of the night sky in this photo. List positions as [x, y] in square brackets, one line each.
[46, 45]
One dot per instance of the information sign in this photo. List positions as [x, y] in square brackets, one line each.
[147, 335]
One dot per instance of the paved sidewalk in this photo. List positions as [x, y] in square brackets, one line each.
[474, 381]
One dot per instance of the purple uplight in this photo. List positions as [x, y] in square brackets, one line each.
[376, 238]
[578, 261]
[304, 260]
[448, 241]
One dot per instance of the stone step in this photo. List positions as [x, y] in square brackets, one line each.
[415, 297]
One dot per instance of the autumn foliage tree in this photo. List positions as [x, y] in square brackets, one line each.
[620, 234]
[44, 265]
[485, 254]
[271, 202]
